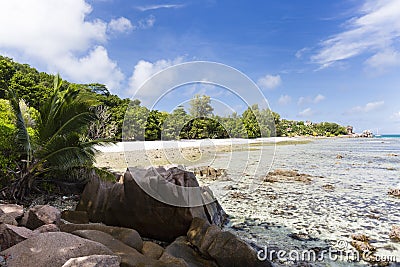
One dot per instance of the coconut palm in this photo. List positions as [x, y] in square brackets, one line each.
[60, 142]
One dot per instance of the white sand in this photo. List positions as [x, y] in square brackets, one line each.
[153, 145]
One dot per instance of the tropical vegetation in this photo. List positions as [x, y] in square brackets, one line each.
[50, 127]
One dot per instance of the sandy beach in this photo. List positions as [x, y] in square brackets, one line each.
[119, 156]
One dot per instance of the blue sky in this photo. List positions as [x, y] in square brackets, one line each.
[313, 60]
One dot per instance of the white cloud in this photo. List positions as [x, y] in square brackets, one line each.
[144, 70]
[367, 108]
[318, 98]
[153, 7]
[120, 25]
[57, 34]
[310, 100]
[299, 54]
[269, 81]
[284, 100]
[396, 116]
[147, 22]
[386, 58]
[306, 112]
[95, 67]
[375, 30]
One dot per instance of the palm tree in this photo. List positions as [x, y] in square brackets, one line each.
[60, 142]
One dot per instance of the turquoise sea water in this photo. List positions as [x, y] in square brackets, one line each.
[388, 136]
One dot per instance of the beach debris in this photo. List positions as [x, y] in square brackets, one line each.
[287, 176]
[395, 233]
[338, 156]
[392, 155]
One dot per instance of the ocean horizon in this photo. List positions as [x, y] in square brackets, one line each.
[388, 136]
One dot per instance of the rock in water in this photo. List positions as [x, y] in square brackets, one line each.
[395, 233]
[140, 202]
[223, 247]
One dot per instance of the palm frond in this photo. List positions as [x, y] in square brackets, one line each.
[22, 137]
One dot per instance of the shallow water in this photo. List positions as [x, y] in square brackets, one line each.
[266, 213]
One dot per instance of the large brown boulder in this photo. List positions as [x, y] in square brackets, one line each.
[40, 215]
[127, 236]
[52, 249]
[11, 235]
[152, 250]
[74, 216]
[8, 219]
[181, 248]
[94, 261]
[14, 210]
[158, 203]
[129, 256]
[223, 247]
[46, 229]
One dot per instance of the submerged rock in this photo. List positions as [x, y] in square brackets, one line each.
[394, 192]
[224, 248]
[287, 176]
[361, 243]
[395, 233]
[140, 202]
[210, 172]
[360, 237]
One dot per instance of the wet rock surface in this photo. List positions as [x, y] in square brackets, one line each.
[287, 176]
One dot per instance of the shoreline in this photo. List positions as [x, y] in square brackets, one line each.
[191, 153]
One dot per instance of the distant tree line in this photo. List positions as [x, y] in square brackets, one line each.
[26, 95]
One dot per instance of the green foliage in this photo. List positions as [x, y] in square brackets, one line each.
[200, 106]
[174, 123]
[8, 156]
[299, 128]
[135, 123]
[61, 143]
[259, 123]
[154, 125]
